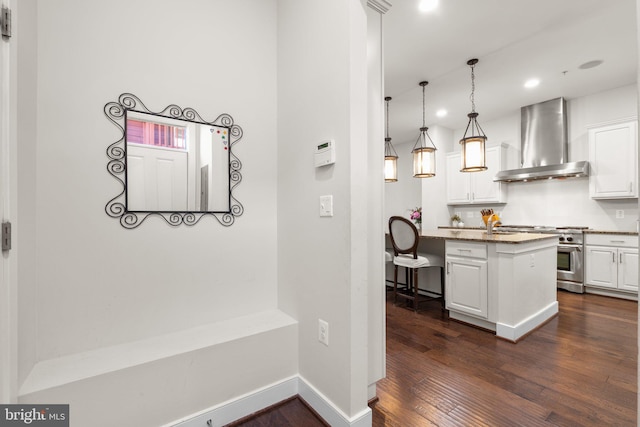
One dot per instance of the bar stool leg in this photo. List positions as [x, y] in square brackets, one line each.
[395, 284]
[415, 289]
[444, 307]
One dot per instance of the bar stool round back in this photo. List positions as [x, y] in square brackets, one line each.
[405, 239]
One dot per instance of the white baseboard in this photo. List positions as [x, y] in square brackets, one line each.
[328, 411]
[513, 333]
[257, 400]
[611, 293]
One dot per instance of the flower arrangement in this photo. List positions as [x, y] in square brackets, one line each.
[416, 215]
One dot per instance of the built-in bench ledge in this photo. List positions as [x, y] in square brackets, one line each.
[75, 367]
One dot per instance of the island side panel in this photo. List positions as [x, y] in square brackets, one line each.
[527, 287]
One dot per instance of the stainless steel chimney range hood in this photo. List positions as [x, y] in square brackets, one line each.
[544, 145]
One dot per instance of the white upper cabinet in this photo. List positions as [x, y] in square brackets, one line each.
[458, 183]
[476, 187]
[613, 160]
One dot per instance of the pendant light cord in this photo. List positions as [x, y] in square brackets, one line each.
[387, 100]
[423, 113]
[473, 89]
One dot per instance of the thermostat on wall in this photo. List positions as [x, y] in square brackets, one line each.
[325, 153]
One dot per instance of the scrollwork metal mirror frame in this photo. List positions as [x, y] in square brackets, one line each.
[117, 165]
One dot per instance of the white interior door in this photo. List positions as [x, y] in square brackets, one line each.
[8, 298]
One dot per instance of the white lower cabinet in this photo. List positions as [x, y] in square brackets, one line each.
[611, 262]
[467, 278]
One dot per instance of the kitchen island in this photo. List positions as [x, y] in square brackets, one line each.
[504, 282]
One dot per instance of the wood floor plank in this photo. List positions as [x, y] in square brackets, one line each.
[292, 412]
[579, 369]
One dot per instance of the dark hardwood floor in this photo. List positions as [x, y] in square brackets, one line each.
[579, 369]
[293, 412]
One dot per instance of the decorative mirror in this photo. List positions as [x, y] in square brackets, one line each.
[172, 164]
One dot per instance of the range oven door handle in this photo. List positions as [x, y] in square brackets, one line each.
[569, 248]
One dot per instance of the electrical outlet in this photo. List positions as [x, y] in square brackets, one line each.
[323, 332]
[620, 214]
[532, 260]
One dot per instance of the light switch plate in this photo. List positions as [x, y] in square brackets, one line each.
[326, 205]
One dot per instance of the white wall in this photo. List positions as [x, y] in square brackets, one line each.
[87, 283]
[562, 202]
[98, 283]
[322, 265]
[97, 288]
[376, 220]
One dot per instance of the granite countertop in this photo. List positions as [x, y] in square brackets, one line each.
[480, 235]
[586, 231]
[451, 227]
[621, 233]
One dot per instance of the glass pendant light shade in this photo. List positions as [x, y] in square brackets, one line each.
[473, 146]
[473, 155]
[424, 157]
[424, 150]
[390, 162]
[390, 155]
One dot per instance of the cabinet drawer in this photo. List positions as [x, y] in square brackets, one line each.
[468, 250]
[611, 240]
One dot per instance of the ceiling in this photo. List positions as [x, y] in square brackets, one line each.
[514, 40]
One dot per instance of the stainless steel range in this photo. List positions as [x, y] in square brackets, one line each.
[570, 253]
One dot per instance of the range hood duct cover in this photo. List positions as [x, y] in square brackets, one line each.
[544, 145]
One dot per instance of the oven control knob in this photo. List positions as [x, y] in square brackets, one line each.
[561, 239]
[569, 239]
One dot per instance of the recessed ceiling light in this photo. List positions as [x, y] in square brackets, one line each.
[441, 113]
[591, 64]
[428, 5]
[531, 83]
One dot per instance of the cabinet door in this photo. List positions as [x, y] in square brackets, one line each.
[483, 188]
[458, 191]
[466, 286]
[601, 266]
[628, 269]
[613, 161]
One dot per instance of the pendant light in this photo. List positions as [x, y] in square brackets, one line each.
[424, 150]
[390, 155]
[473, 146]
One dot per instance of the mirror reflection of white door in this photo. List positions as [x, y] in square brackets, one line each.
[204, 188]
[156, 179]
